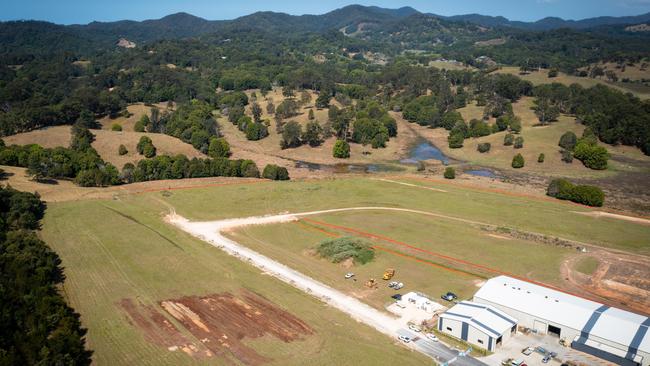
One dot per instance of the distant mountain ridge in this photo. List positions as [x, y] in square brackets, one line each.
[548, 23]
[352, 19]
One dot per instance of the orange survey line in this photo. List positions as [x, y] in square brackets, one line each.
[475, 265]
[432, 264]
[314, 228]
[393, 241]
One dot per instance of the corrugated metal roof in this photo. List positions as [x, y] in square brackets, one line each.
[486, 318]
[619, 326]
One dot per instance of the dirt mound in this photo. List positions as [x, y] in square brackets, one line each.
[222, 325]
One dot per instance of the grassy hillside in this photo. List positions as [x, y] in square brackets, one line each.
[541, 77]
[268, 149]
[106, 143]
[115, 251]
[537, 139]
[135, 112]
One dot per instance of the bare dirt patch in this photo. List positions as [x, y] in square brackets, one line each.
[499, 236]
[490, 42]
[223, 321]
[621, 279]
[156, 328]
[598, 214]
[221, 324]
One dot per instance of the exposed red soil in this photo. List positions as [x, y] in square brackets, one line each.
[621, 279]
[157, 329]
[219, 324]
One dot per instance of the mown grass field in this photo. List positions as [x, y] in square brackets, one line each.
[293, 244]
[543, 215]
[109, 257]
[122, 249]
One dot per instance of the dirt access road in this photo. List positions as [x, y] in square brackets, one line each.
[211, 232]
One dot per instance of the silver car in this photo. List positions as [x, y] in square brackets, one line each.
[404, 339]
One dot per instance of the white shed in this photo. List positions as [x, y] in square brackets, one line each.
[478, 324]
[612, 334]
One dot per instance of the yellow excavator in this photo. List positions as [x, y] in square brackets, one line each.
[388, 274]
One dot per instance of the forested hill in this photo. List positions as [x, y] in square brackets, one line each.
[183, 25]
[549, 23]
[53, 74]
[389, 31]
[351, 18]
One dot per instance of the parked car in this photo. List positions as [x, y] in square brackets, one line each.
[398, 286]
[392, 284]
[397, 297]
[404, 339]
[546, 359]
[349, 275]
[414, 328]
[553, 354]
[519, 362]
[541, 350]
[527, 351]
[449, 296]
[432, 337]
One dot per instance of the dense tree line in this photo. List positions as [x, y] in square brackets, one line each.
[583, 194]
[38, 327]
[179, 167]
[80, 162]
[87, 169]
[614, 117]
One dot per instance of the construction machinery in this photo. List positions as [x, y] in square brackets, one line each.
[371, 283]
[388, 274]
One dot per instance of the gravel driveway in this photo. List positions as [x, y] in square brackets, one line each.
[383, 322]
